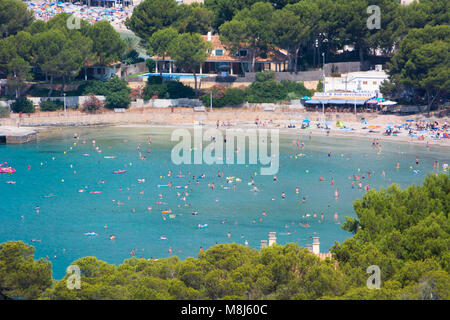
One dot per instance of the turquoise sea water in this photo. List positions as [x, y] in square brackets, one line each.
[65, 214]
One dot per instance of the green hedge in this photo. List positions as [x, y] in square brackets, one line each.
[51, 105]
[224, 97]
[23, 105]
[4, 112]
[166, 89]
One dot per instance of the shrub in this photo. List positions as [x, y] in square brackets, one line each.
[166, 89]
[177, 90]
[267, 89]
[51, 105]
[118, 99]
[4, 112]
[223, 96]
[115, 90]
[23, 105]
[93, 105]
[150, 65]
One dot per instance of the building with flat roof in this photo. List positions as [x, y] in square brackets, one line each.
[368, 82]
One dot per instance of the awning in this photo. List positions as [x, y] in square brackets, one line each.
[316, 101]
[337, 101]
[357, 102]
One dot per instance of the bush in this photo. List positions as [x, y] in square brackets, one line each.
[4, 112]
[51, 105]
[132, 57]
[168, 89]
[115, 90]
[23, 105]
[223, 96]
[93, 105]
[267, 89]
[119, 99]
[150, 65]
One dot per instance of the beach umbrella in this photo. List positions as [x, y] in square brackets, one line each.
[372, 101]
[328, 122]
[306, 121]
[410, 120]
[365, 122]
[379, 99]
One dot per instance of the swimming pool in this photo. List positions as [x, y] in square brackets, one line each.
[174, 75]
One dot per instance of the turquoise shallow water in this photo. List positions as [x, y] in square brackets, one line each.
[63, 219]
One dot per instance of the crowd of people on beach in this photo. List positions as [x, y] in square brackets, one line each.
[116, 15]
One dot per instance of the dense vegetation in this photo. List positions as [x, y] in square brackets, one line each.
[51, 105]
[23, 105]
[307, 28]
[166, 89]
[404, 232]
[52, 50]
[265, 89]
[415, 37]
[115, 90]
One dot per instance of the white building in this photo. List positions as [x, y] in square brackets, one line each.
[362, 82]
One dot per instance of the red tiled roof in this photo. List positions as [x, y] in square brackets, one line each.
[277, 55]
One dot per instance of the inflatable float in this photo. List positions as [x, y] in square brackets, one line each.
[119, 171]
[6, 169]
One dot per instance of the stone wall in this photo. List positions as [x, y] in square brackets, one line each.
[166, 103]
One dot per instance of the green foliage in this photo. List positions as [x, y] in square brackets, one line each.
[150, 65]
[267, 90]
[51, 105]
[20, 275]
[166, 89]
[421, 63]
[107, 47]
[23, 105]
[115, 90]
[223, 96]
[404, 232]
[4, 112]
[152, 15]
[161, 40]
[189, 50]
[14, 16]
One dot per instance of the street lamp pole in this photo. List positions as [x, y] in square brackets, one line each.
[210, 100]
[65, 109]
[323, 85]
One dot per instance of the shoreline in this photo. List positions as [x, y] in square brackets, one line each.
[239, 119]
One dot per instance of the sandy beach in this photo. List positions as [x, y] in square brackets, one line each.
[241, 118]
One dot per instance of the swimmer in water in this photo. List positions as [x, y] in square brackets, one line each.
[283, 195]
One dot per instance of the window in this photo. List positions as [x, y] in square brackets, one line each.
[219, 52]
[364, 82]
[374, 82]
